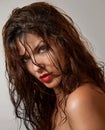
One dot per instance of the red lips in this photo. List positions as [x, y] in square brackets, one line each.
[46, 77]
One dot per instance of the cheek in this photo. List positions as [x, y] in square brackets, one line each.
[62, 59]
[58, 56]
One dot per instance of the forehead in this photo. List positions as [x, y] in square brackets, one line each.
[29, 42]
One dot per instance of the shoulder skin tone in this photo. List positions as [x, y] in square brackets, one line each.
[86, 108]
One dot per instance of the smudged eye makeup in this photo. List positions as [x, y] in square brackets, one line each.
[25, 58]
[40, 49]
[43, 48]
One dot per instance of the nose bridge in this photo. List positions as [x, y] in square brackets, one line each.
[34, 66]
[37, 63]
[38, 60]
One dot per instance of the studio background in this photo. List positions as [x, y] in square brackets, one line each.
[89, 15]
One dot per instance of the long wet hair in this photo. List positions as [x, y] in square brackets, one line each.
[33, 102]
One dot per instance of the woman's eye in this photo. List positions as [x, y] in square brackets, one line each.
[43, 49]
[25, 59]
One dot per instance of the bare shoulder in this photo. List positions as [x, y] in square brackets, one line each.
[87, 94]
[86, 108]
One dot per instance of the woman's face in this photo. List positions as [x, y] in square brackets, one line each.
[41, 61]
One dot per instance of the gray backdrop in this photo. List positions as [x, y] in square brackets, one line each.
[89, 16]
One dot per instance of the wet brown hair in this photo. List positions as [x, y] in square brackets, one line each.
[33, 102]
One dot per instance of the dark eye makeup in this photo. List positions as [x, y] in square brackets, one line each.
[40, 49]
[25, 58]
[43, 48]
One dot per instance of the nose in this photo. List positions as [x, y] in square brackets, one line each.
[38, 67]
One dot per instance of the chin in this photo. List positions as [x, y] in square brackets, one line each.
[53, 84]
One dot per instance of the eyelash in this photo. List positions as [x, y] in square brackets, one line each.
[25, 59]
[43, 49]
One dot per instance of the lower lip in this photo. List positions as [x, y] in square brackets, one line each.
[46, 78]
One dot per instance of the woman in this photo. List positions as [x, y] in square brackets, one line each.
[54, 81]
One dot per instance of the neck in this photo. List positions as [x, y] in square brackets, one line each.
[59, 95]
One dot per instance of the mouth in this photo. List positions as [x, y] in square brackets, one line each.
[46, 77]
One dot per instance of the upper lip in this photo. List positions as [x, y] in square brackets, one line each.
[44, 75]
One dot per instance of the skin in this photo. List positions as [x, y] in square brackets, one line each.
[38, 52]
[85, 107]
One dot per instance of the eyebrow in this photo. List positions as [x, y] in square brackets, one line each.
[24, 56]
